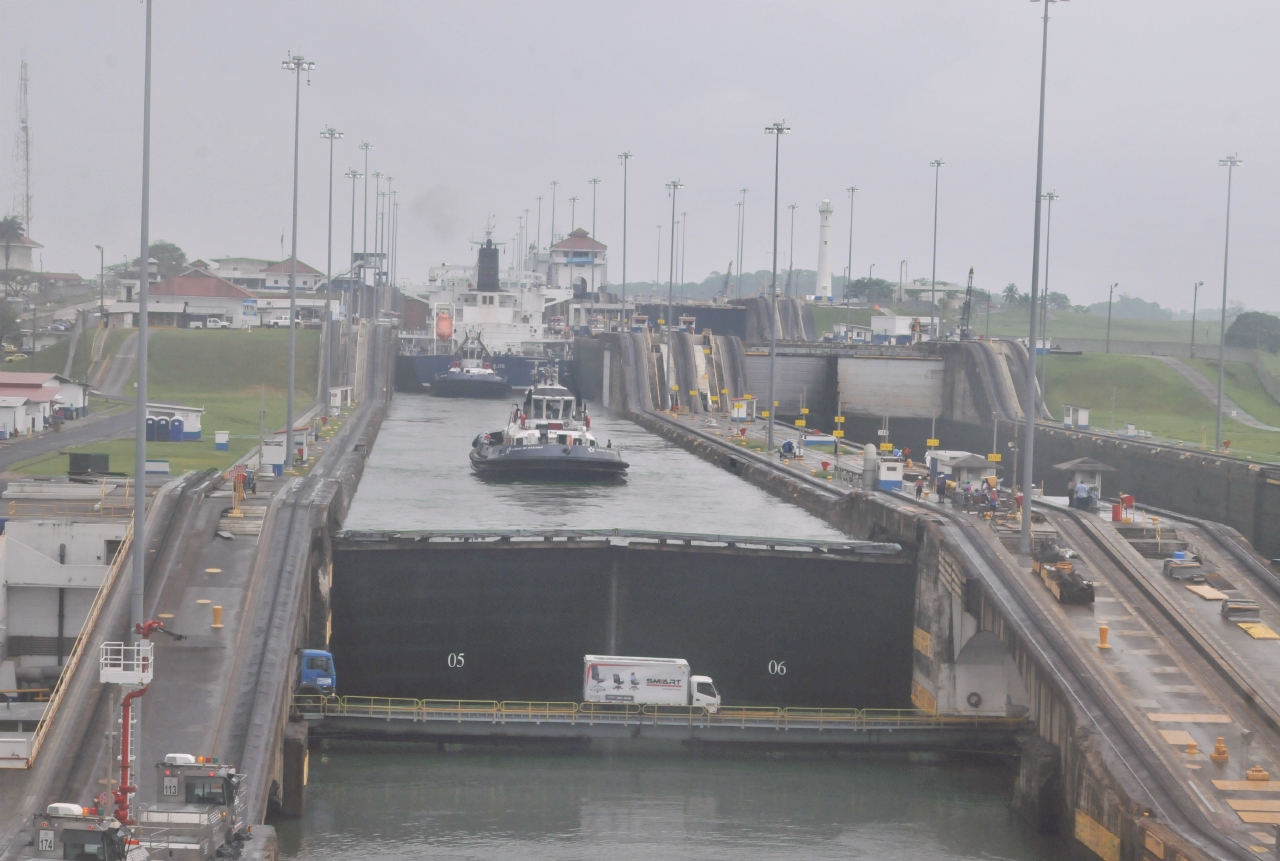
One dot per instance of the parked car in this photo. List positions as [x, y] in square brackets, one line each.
[16, 357]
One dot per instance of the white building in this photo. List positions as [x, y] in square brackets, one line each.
[823, 291]
[579, 262]
[20, 254]
[276, 276]
[43, 395]
[192, 297]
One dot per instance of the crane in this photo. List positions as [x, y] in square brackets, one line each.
[966, 333]
[724, 289]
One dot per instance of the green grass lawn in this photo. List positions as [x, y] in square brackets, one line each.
[1241, 384]
[1151, 395]
[233, 374]
[1070, 324]
[50, 360]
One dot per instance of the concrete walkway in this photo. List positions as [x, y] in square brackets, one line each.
[1209, 388]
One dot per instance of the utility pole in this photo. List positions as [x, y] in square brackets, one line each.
[673, 186]
[684, 248]
[1195, 296]
[594, 184]
[1231, 162]
[624, 158]
[554, 183]
[102, 290]
[937, 164]
[296, 64]
[1044, 300]
[853, 189]
[140, 544]
[777, 130]
[1029, 438]
[535, 257]
[1111, 292]
[364, 253]
[573, 214]
[326, 336]
[791, 253]
[352, 175]
[742, 238]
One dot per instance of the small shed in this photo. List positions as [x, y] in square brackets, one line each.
[973, 468]
[1086, 471]
[168, 413]
[1075, 417]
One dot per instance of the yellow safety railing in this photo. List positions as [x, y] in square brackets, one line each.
[81, 646]
[526, 710]
[88, 508]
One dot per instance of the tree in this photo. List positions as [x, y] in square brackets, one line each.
[18, 282]
[170, 259]
[1012, 294]
[874, 289]
[11, 231]
[10, 328]
[1255, 330]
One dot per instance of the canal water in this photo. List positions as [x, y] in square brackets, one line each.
[418, 477]
[393, 801]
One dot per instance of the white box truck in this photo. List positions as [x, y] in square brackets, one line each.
[646, 681]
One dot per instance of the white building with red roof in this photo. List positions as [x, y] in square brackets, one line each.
[192, 298]
[44, 396]
[20, 254]
[579, 262]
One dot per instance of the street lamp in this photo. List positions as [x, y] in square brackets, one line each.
[1195, 295]
[138, 581]
[364, 252]
[624, 158]
[573, 213]
[674, 186]
[594, 183]
[1050, 196]
[352, 175]
[330, 134]
[1231, 162]
[1029, 440]
[684, 246]
[742, 237]
[777, 130]
[1111, 292]
[791, 254]
[102, 290]
[853, 189]
[936, 164]
[297, 65]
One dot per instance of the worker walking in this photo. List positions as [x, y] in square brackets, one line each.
[919, 488]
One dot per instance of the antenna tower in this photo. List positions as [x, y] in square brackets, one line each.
[22, 155]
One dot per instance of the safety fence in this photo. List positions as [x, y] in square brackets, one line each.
[632, 714]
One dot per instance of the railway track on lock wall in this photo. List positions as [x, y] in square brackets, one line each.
[1168, 797]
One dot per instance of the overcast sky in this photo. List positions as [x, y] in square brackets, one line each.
[475, 107]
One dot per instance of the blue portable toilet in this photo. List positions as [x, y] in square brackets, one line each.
[175, 430]
[151, 429]
[162, 430]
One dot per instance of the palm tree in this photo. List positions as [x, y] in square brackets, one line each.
[1011, 294]
[10, 232]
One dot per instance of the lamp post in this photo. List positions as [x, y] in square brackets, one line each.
[1029, 439]
[352, 175]
[673, 186]
[1195, 296]
[1050, 196]
[902, 280]
[657, 267]
[552, 240]
[791, 253]
[595, 182]
[364, 252]
[102, 288]
[624, 158]
[742, 237]
[330, 134]
[737, 251]
[853, 189]
[573, 213]
[296, 64]
[777, 130]
[535, 256]
[684, 246]
[1231, 162]
[936, 164]
[1111, 292]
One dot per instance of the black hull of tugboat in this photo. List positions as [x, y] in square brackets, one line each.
[445, 387]
[549, 462]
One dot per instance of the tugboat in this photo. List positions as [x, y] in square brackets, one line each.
[548, 437]
[472, 374]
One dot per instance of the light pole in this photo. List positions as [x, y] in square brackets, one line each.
[1050, 196]
[674, 186]
[737, 251]
[594, 183]
[853, 189]
[364, 253]
[377, 209]
[902, 280]
[870, 272]
[296, 64]
[657, 268]
[684, 247]
[573, 213]
[140, 543]
[1029, 439]
[1231, 162]
[1195, 296]
[742, 237]
[791, 253]
[554, 183]
[352, 175]
[624, 158]
[535, 256]
[777, 130]
[936, 164]
[102, 290]
[1111, 292]
[330, 134]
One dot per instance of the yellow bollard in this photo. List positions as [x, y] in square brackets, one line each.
[1103, 632]
[1257, 773]
[217, 616]
[1219, 754]
[1193, 748]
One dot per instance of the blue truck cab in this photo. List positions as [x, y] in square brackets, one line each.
[316, 674]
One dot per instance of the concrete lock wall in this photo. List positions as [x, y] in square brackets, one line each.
[493, 622]
[901, 388]
[799, 380]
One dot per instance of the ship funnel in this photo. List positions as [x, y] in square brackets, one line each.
[487, 268]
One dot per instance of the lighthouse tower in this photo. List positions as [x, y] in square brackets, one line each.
[824, 251]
